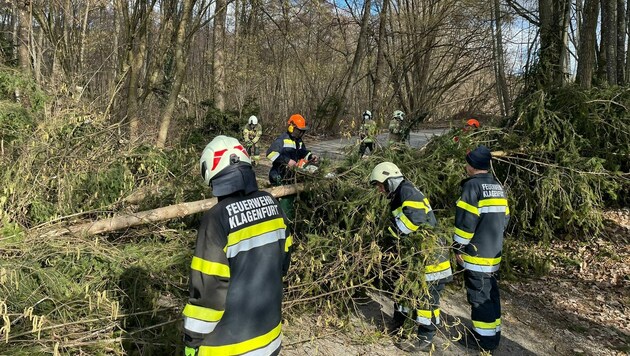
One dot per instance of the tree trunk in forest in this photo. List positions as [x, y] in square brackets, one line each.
[621, 41]
[553, 27]
[136, 26]
[181, 56]
[218, 61]
[609, 39]
[24, 58]
[377, 96]
[83, 43]
[628, 44]
[155, 215]
[587, 47]
[502, 90]
[354, 67]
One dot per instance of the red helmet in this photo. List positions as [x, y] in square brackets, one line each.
[473, 122]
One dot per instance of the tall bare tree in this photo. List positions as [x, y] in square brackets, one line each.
[180, 59]
[356, 62]
[609, 39]
[587, 44]
[622, 23]
[23, 36]
[377, 97]
[499, 61]
[218, 62]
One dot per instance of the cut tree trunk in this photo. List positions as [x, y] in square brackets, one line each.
[160, 214]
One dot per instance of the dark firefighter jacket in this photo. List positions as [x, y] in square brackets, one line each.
[481, 216]
[241, 255]
[282, 150]
[410, 210]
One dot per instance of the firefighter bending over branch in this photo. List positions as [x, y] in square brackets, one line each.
[285, 153]
[411, 216]
[241, 255]
[481, 217]
[251, 135]
[367, 133]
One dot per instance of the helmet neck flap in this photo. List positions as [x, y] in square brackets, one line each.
[235, 178]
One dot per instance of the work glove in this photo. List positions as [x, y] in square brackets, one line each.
[190, 351]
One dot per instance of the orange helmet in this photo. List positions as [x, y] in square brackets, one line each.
[297, 121]
[473, 122]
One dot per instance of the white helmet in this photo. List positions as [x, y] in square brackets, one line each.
[253, 120]
[219, 154]
[367, 113]
[384, 171]
[399, 115]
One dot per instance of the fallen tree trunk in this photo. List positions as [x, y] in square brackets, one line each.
[160, 214]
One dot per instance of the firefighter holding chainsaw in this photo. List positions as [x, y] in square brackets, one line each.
[287, 153]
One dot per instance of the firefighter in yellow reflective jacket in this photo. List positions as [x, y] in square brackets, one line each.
[481, 216]
[367, 133]
[252, 132]
[396, 129]
[411, 212]
[241, 255]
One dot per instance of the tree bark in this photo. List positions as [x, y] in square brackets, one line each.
[587, 47]
[609, 39]
[218, 62]
[628, 45]
[83, 37]
[354, 67]
[377, 97]
[160, 214]
[502, 89]
[24, 58]
[181, 56]
[621, 41]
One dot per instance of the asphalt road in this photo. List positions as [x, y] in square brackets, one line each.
[335, 148]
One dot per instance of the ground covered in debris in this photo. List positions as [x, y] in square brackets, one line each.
[580, 307]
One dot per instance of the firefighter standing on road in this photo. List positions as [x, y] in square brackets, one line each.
[481, 216]
[367, 133]
[252, 132]
[412, 213]
[241, 254]
[396, 129]
[285, 153]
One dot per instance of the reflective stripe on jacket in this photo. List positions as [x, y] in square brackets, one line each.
[252, 134]
[241, 254]
[282, 150]
[481, 217]
[410, 210]
[368, 131]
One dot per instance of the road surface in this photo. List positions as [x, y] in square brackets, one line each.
[335, 148]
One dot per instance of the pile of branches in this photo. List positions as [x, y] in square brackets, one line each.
[562, 159]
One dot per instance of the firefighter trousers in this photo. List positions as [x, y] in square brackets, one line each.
[427, 316]
[482, 291]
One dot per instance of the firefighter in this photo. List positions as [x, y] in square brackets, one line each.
[367, 133]
[241, 255]
[481, 217]
[412, 215]
[396, 130]
[251, 135]
[471, 125]
[285, 153]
